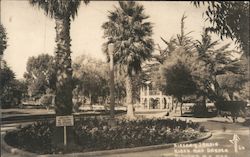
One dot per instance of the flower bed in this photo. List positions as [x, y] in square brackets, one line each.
[95, 134]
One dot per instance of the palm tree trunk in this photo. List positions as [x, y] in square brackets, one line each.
[63, 98]
[129, 98]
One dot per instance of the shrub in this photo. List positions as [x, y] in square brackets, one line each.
[35, 137]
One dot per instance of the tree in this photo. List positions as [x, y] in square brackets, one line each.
[230, 84]
[120, 85]
[219, 63]
[182, 39]
[40, 74]
[204, 47]
[179, 52]
[92, 76]
[131, 35]
[245, 92]
[179, 81]
[3, 41]
[229, 19]
[11, 90]
[62, 11]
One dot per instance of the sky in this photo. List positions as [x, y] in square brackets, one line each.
[30, 32]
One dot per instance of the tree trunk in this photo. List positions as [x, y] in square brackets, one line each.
[180, 99]
[181, 108]
[204, 105]
[112, 83]
[64, 87]
[90, 102]
[176, 105]
[129, 98]
[63, 98]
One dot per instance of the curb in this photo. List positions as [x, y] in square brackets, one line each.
[13, 150]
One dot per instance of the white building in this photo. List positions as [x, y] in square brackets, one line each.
[154, 99]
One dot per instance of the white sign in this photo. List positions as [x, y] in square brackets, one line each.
[64, 121]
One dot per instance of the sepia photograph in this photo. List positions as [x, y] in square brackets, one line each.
[108, 78]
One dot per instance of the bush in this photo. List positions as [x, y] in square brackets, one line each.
[200, 110]
[35, 138]
[95, 134]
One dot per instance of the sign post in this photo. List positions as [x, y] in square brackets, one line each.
[65, 121]
[65, 136]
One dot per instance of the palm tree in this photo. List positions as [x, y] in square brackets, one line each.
[131, 37]
[62, 11]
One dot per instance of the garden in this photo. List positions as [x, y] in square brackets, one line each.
[198, 62]
[94, 134]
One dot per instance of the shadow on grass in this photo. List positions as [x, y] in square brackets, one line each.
[217, 121]
[205, 115]
[13, 112]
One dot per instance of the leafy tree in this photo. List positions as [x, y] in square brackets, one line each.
[179, 51]
[40, 74]
[179, 81]
[245, 91]
[229, 19]
[204, 47]
[3, 46]
[11, 90]
[120, 85]
[62, 11]
[6, 74]
[131, 35]
[231, 84]
[176, 44]
[219, 63]
[92, 76]
[3, 40]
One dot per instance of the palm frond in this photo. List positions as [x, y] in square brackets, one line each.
[130, 34]
[60, 8]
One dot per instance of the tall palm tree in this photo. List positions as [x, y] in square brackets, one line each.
[131, 35]
[62, 11]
